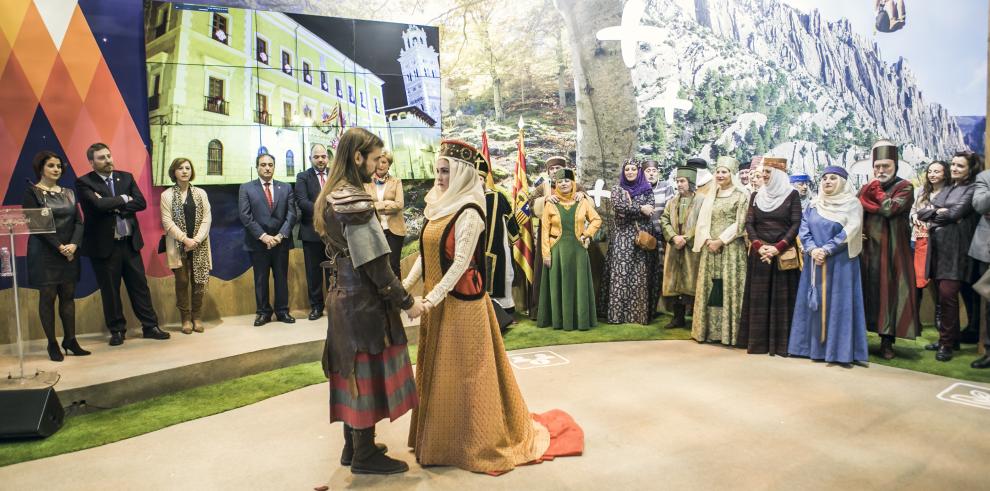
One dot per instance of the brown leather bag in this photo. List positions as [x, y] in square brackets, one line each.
[645, 241]
[791, 259]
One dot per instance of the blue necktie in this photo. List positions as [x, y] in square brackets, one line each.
[121, 224]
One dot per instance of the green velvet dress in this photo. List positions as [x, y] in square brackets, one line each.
[567, 293]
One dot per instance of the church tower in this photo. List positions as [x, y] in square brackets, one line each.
[420, 72]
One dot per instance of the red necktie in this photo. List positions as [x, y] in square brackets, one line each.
[268, 195]
[322, 179]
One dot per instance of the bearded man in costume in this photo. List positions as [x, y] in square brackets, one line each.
[365, 354]
[663, 191]
[680, 262]
[887, 259]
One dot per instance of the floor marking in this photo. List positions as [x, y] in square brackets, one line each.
[537, 359]
[967, 394]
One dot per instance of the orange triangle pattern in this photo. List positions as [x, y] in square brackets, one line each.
[77, 93]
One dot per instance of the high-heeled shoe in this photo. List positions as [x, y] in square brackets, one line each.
[54, 352]
[73, 346]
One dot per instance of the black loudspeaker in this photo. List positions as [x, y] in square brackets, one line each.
[32, 413]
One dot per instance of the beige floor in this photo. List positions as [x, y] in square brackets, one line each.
[657, 415]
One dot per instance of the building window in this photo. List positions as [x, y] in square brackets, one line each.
[340, 90]
[307, 76]
[286, 114]
[262, 48]
[323, 82]
[290, 163]
[261, 114]
[350, 93]
[286, 63]
[307, 111]
[215, 102]
[363, 105]
[377, 109]
[154, 100]
[161, 20]
[214, 158]
[220, 28]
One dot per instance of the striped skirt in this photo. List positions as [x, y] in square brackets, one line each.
[380, 387]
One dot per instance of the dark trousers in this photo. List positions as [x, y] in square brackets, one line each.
[317, 278]
[189, 303]
[66, 293]
[123, 263]
[948, 301]
[395, 243]
[273, 262]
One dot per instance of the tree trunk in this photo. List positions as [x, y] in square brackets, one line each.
[561, 69]
[607, 119]
[497, 96]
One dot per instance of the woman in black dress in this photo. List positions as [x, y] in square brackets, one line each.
[53, 264]
[772, 225]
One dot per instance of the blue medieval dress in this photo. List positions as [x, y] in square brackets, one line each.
[836, 296]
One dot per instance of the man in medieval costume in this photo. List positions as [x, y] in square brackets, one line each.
[663, 191]
[365, 354]
[503, 231]
[744, 174]
[888, 271]
[802, 183]
[680, 262]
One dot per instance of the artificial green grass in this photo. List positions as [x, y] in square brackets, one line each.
[99, 428]
[525, 334]
[102, 427]
[911, 355]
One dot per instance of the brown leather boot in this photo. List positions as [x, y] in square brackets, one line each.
[187, 326]
[197, 322]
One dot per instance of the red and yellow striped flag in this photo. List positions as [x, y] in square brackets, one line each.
[522, 251]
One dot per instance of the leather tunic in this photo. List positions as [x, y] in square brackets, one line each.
[364, 301]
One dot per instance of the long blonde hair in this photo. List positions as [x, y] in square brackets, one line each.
[345, 168]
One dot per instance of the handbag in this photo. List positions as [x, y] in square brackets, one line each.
[790, 259]
[646, 241]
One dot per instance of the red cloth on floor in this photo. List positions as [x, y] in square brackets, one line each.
[566, 437]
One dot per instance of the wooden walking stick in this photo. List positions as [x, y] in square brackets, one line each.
[824, 299]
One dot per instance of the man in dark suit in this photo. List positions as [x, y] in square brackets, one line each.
[112, 240]
[268, 212]
[308, 185]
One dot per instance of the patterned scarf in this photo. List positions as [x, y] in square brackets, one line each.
[200, 255]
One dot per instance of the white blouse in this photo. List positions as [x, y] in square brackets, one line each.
[467, 231]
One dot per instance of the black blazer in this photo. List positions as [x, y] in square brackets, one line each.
[100, 212]
[307, 189]
[258, 219]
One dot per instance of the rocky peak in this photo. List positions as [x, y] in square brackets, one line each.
[845, 63]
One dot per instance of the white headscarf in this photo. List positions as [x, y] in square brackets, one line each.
[843, 208]
[774, 192]
[704, 230]
[463, 188]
